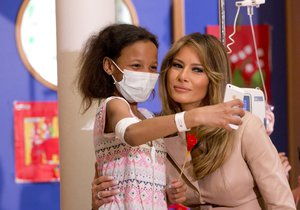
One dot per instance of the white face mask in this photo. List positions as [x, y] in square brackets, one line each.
[135, 86]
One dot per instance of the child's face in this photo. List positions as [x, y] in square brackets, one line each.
[140, 56]
[187, 82]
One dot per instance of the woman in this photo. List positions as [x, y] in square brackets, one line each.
[238, 170]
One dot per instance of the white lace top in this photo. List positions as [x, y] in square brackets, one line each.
[142, 179]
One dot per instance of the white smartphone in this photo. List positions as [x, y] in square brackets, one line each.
[254, 102]
[233, 92]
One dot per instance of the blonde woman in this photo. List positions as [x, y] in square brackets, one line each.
[230, 170]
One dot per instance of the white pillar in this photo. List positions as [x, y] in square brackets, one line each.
[76, 21]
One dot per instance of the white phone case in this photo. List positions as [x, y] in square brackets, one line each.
[233, 92]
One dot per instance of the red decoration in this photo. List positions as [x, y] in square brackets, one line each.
[177, 207]
[191, 141]
[36, 141]
[244, 67]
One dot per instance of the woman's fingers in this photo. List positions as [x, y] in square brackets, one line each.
[96, 202]
[231, 120]
[104, 183]
[235, 120]
[233, 113]
[235, 108]
[235, 103]
[108, 185]
[107, 193]
[104, 188]
[102, 179]
[176, 192]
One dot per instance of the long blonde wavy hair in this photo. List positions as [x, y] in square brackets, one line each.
[214, 144]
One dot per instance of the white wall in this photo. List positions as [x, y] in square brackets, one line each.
[75, 23]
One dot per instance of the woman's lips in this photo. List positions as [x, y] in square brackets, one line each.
[181, 89]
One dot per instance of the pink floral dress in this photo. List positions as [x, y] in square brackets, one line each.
[141, 175]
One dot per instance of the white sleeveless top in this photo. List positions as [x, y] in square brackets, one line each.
[142, 179]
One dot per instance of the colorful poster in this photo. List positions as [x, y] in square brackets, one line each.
[36, 141]
[245, 72]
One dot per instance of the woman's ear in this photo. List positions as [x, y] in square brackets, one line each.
[108, 66]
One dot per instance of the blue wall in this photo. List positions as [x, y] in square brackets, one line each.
[155, 15]
[18, 84]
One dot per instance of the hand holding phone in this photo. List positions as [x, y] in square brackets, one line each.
[233, 92]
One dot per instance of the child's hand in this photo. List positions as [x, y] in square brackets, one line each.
[270, 117]
[176, 191]
[285, 163]
[296, 192]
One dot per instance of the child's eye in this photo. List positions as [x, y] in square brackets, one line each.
[136, 66]
[153, 68]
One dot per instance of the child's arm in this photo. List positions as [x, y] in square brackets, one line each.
[140, 132]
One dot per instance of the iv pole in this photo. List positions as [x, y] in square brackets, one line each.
[222, 28]
[222, 21]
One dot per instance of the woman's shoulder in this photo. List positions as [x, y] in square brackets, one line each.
[252, 134]
[251, 128]
[248, 115]
[250, 119]
[250, 123]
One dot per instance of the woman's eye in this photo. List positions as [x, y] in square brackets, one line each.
[177, 65]
[198, 69]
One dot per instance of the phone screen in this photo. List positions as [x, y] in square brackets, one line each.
[247, 105]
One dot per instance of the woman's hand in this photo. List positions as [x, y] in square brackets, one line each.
[176, 191]
[104, 188]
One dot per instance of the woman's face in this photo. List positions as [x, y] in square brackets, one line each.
[187, 83]
[140, 56]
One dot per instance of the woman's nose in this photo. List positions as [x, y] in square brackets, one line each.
[183, 75]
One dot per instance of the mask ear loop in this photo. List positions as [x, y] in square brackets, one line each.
[111, 73]
[115, 81]
[117, 66]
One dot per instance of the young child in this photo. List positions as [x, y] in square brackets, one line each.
[104, 76]
[118, 68]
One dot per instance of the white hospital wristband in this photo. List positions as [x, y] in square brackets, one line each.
[179, 121]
